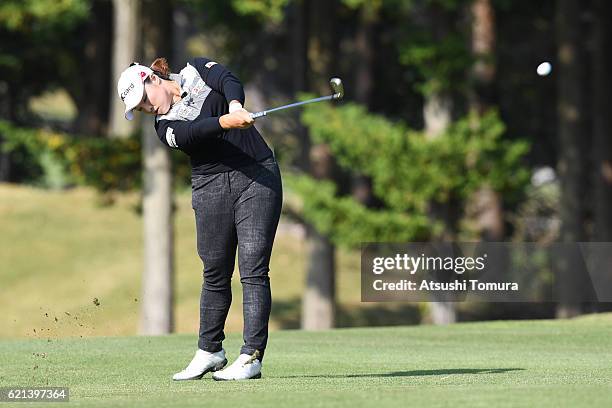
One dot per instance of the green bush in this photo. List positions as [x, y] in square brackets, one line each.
[57, 160]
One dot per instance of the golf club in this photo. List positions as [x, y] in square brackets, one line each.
[334, 83]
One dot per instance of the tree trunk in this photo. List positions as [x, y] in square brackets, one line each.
[486, 206]
[602, 131]
[318, 304]
[158, 276]
[126, 33]
[601, 87]
[361, 186]
[5, 165]
[180, 34]
[437, 113]
[299, 48]
[92, 97]
[437, 116]
[368, 15]
[483, 50]
[572, 144]
[5, 113]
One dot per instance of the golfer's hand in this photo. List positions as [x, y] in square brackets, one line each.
[239, 119]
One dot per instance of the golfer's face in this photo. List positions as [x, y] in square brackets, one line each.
[155, 100]
[145, 104]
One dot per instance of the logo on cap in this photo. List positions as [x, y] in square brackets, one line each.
[127, 90]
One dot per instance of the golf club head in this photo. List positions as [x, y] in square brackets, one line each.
[336, 86]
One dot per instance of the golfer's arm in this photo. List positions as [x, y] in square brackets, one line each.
[180, 133]
[220, 79]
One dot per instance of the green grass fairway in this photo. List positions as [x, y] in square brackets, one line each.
[496, 364]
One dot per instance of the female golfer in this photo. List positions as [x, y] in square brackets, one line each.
[236, 196]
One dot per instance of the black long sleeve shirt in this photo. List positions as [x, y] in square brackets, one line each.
[192, 124]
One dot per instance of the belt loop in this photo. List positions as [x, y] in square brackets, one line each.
[229, 185]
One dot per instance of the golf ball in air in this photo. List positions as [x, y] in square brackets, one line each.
[544, 69]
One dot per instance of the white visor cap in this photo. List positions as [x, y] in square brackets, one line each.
[130, 87]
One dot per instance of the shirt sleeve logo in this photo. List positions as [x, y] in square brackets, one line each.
[210, 64]
[170, 137]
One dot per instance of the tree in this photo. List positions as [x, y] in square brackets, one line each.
[368, 17]
[442, 58]
[602, 127]
[90, 90]
[573, 137]
[410, 171]
[485, 206]
[158, 275]
[126, 37]
[319, 299]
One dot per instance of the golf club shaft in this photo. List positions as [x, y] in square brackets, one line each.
[292, 105]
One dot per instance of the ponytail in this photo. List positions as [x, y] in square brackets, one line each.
[160, 68]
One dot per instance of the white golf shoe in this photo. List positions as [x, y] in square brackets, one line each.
[202, 363]
[244, 368]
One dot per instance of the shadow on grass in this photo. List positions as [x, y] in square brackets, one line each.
[287, 314]
[414, 373]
